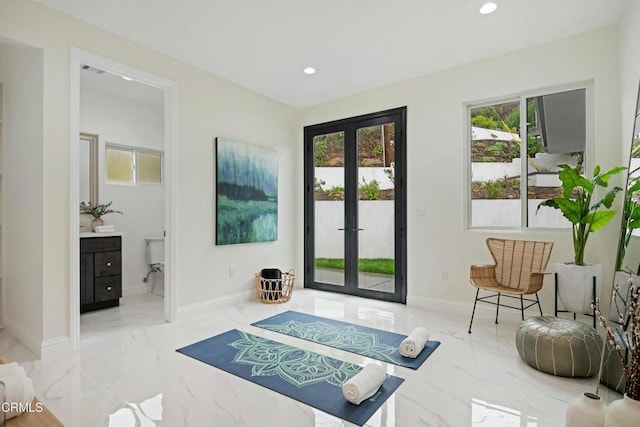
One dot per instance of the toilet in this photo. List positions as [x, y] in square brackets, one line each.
[154, 253]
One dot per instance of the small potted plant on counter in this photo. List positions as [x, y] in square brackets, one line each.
[97, 212]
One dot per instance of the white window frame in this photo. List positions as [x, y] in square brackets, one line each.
[134, 166]
[522, 97]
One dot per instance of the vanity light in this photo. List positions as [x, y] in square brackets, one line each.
[129, 79]
[309, 70]
[488, 8]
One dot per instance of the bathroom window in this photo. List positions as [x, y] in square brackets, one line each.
[133, 165]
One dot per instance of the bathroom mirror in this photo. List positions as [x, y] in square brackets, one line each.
[628, 257]
[88, 167]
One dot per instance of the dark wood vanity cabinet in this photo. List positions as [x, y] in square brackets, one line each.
[100, 272]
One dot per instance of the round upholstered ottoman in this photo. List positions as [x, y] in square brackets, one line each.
[561, 347]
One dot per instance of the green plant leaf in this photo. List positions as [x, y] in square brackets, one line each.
[550, 203]
[633, 187]
[607, 200]
[571, 179]
[597, 220]
[570, 209]
[603, 179]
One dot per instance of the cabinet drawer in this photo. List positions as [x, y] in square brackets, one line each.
[107, 264]
[107, 288]
[100, 244]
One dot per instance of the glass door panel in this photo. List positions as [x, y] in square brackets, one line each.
[329, 207]
[375, 209]
[355, 206]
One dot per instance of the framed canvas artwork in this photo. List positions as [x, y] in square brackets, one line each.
[246, 193]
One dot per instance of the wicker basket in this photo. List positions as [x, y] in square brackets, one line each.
[275, 291]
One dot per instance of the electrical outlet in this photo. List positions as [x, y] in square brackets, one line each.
[444, 276]
[232, 271]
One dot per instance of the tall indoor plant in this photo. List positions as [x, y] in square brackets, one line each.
[578, 204]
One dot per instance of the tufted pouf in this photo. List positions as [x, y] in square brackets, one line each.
[562, 347]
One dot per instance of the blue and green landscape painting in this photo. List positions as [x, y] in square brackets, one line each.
[246, 193]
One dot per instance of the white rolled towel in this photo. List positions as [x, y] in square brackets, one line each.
[412, 345]
[364, 384]
[18, 391]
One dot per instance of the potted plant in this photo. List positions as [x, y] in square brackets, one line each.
[577, 204]
[97, 212]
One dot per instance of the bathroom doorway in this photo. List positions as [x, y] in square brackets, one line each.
[129, 113]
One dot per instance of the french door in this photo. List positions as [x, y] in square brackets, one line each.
[355, 206]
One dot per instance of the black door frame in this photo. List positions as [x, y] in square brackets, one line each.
[349, 126]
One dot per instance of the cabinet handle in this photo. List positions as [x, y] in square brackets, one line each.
[108, 264]
[108, 288]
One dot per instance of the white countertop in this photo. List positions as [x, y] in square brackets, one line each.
[91, 234]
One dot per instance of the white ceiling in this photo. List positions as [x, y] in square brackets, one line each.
[356, 45]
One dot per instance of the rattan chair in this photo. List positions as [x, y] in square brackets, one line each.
[518, 271]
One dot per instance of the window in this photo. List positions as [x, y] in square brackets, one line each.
[133, 166]
[555, 130]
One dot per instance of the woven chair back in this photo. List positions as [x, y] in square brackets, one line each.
[516, 259]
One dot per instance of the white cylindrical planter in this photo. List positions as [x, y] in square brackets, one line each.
[575, 286]
[623, 412]
[585, 411]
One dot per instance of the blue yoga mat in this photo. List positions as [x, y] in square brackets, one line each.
[362, 340]
[302, 375]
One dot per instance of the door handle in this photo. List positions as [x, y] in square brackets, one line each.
[340, 229]
[358, 229]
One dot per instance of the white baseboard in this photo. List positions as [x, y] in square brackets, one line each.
[43, 349]
[424, 302]
[53, 347]
[225, 300]
[24, 336]
[462, 307]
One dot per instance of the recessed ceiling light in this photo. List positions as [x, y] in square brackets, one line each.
[488, 8]
[127, 78]
[309, 70]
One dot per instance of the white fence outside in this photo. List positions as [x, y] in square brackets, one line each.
[376, 219]
[376, 240]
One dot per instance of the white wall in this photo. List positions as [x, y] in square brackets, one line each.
[437, 240]
[122, 121]
[208, 106]
[21, 72]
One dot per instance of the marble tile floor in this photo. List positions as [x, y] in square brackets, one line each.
[134, 312]
[136, 378]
